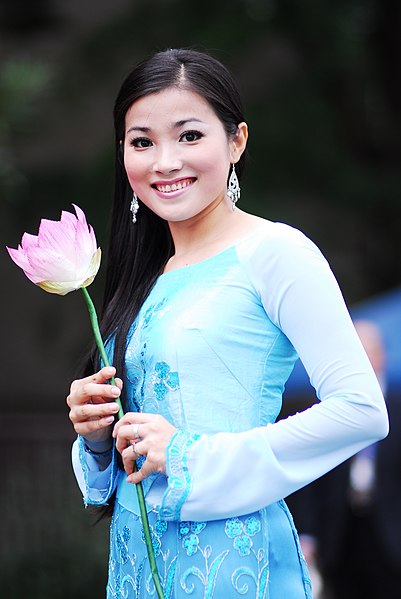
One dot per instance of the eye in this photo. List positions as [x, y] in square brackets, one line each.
[190, 136]
[141, 142]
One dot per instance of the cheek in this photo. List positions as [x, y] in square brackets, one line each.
[134, 170]
[216, 172]
[212, 163]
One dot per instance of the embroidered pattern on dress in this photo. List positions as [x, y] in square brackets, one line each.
[156, 534]
[242, 532]
[153, 310]
[260, 579]
[164, 380]
[122, 539]
[188, 532]
[179, 479]
[123, 585]
[208, 577]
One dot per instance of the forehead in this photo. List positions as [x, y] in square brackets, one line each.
[169, 106]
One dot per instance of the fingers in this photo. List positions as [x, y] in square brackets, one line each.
[129, 433]
[94, 389]
[148, 435]
[92, 417]
[92, 404]
[129, 457]
[134, 418]
[102, 376]
[141, 474]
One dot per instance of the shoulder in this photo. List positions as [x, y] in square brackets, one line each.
[277, 241]
[281, 262]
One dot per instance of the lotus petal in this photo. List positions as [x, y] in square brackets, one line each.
[63, 256]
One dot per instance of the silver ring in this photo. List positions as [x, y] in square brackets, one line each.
[135, 451]
[136, 431]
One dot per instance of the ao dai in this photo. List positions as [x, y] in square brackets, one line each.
[211, 351]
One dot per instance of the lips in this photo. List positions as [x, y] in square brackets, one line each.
[171, 186]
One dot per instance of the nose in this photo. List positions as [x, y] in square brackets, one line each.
[167, 159]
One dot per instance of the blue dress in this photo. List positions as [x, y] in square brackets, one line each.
[211, 351]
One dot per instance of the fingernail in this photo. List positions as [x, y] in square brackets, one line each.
[109, 420]
[115, 391]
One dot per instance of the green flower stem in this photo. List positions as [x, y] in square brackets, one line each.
[99, 341]
[148, 539]
[139, 489]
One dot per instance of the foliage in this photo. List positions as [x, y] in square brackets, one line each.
[319, 83]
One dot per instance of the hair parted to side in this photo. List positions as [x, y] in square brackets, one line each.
[138, 253]
[184, 69]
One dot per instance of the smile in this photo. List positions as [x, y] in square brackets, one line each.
[176, 186]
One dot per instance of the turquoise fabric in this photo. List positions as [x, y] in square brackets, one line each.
[211, 351]
[256, 555]
[204, 355]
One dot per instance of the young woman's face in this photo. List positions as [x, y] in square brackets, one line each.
[177, 154]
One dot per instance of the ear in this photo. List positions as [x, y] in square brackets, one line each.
[238, 143]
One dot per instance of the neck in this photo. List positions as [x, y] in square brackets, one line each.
[208, 228]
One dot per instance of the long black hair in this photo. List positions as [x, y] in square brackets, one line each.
[138, 252]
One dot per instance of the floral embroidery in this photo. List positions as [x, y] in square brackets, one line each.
[122, 539]
[188, 532]
[179, 479]
[152, 311]
[156, 534]
[242, 532]
[165, 380]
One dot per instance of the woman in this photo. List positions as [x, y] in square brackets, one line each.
[206, 310]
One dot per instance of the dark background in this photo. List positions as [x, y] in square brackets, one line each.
[322, 89]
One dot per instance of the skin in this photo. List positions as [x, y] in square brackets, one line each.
[172, 138]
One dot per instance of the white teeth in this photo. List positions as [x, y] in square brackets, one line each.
[174, 186]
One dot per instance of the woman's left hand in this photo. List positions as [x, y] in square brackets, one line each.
[148, 435]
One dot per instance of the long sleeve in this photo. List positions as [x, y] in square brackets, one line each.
[96, 473]
[220, 475]
[95, 463]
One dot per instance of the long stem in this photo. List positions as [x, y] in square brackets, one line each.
[99, 340]
[139, 489]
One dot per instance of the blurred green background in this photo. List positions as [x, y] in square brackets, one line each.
[322, 90]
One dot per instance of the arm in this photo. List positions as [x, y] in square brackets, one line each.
[260, 466]
[95, 470]
[92, 412]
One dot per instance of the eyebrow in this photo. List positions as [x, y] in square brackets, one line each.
[176, 125]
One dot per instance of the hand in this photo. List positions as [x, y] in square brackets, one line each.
[143, 434]
[92, 405]
[309, 548]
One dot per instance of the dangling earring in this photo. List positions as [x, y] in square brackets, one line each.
[234, 190]
[134, 206]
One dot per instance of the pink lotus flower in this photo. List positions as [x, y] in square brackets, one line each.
[63, 256]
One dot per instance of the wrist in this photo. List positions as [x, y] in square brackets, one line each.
[98, 447]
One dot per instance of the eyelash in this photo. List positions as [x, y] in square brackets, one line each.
[197, 134]
[138, 140]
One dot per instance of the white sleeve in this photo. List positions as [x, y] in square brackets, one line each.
[262, 465]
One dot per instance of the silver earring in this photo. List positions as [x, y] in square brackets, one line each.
[234, 190]
[134, 206]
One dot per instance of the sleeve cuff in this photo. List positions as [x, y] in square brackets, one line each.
[97, 473]
[98, 447]
[179, 479]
